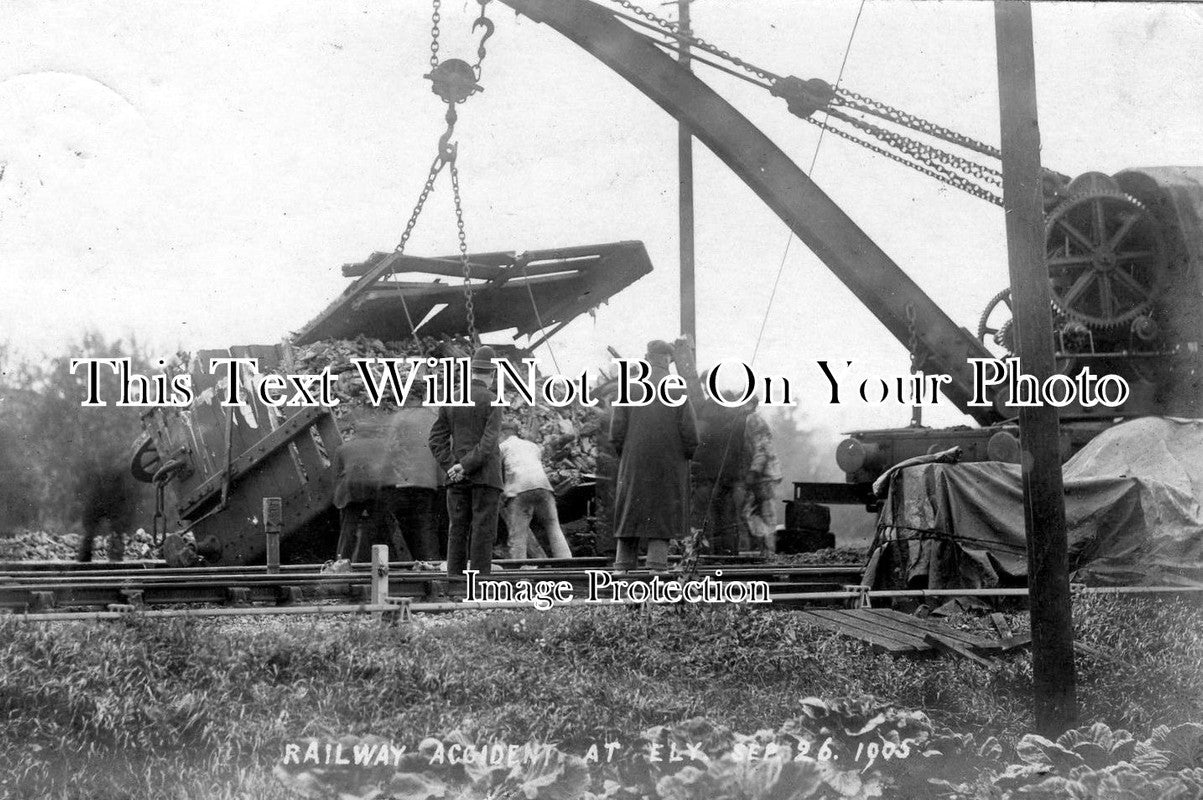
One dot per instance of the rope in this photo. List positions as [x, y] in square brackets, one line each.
[539, 319]
[781, 267]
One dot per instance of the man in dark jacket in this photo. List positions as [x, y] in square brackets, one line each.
[654, 445]
[464, 441]
[359, 466]
[413, 478]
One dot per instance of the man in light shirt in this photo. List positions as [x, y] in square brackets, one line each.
[528, 495]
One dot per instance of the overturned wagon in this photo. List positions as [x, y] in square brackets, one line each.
[216, 464]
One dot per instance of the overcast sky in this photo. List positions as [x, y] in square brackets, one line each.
[196, 173]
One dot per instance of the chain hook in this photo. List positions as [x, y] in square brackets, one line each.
[447, 149]
[482, 22]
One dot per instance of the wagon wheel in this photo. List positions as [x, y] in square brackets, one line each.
[145, 461]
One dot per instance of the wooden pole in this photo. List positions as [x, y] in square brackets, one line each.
[1043, 492]
[685, 180]
[379, 595]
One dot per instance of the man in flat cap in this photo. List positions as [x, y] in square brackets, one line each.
[654, 444]
[464, 441]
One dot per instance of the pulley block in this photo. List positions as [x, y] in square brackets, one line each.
[453, 80]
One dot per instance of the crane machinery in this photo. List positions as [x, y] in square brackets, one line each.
[1124, 255]
[1124, 252]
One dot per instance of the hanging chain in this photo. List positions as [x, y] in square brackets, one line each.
[158, 525]
[673, 29]
[449, 84]
[435, 168]
[469, 309]
[435, 18]
[913, 346]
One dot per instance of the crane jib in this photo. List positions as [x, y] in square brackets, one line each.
[879, 283]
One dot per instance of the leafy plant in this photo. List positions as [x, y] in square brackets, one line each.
[1097, 763]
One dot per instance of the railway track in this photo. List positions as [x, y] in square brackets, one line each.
[41, 587]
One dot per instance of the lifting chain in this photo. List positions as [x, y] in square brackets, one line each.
[927, 155]
[859, 102]
[453, 81]
[673, 29]
[937, 171]
[445, 157]
[913, 346]
[435, 18]
[435, 168]
[923, 152]
[469, 309]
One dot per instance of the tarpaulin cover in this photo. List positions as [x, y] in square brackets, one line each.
[1132, 508]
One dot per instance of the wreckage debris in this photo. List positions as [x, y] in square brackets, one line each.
[571, 436]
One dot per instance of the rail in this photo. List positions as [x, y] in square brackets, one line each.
[31, 596]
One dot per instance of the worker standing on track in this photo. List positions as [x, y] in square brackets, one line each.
[464, 440]
[760, 481]
[719, 467]
[654, 444]
[528, 495]
[360, 465]
[414, 478]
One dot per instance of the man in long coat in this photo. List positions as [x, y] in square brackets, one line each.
[654, 444]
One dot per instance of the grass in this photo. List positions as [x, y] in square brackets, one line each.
[186, 709]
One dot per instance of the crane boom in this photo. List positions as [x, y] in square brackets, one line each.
[879, 283]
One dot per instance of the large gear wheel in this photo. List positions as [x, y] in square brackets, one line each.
[997, 324]
[1106, 257]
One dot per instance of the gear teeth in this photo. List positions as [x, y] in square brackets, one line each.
[1126, 316]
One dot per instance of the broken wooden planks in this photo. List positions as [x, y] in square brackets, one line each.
[894, 632]
[951, 646]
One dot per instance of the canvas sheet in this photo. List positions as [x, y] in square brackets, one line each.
[1132, 507]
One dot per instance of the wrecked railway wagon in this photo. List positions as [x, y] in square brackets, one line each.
[220, 469]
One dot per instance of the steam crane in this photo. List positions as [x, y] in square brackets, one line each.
[1124, 252]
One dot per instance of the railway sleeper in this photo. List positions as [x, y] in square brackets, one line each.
[238, 596]
[287, 595]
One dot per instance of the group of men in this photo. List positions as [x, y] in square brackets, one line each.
[700, 463]
[394, 469]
